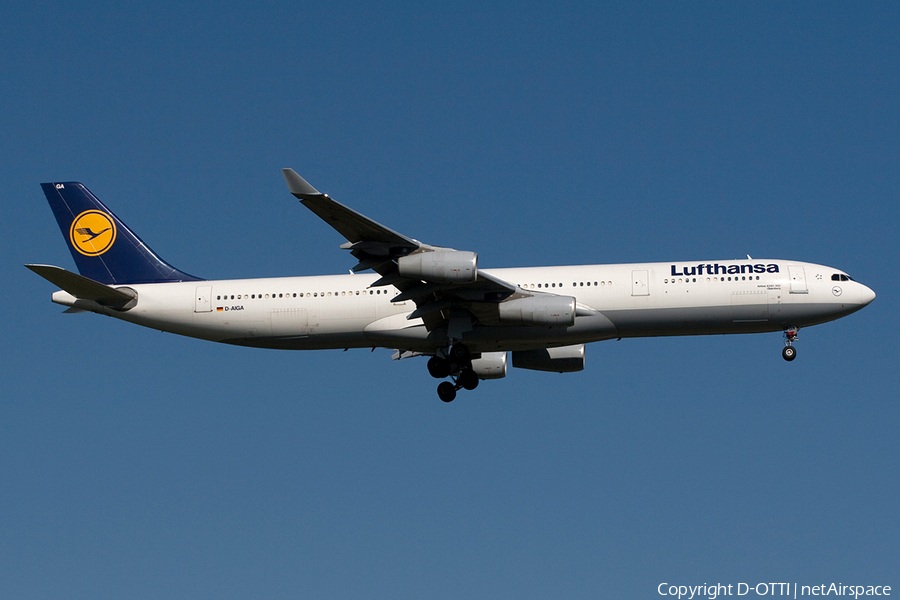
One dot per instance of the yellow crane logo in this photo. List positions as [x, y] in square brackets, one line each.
[92, 232]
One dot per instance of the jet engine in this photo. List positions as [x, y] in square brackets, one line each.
[491, 365]
[440, 266]
[539, 310]
[565, 359]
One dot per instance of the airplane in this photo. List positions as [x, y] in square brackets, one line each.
[436, 302]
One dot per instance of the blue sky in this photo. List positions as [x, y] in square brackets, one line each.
[139, 464]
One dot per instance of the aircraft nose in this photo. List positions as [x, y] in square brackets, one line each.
[866, 294]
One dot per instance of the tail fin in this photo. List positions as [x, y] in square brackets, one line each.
[103, 247]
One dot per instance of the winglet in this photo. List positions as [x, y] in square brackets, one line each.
[297, 185]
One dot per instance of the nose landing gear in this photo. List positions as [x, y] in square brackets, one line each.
[790, 336]
[457, 365]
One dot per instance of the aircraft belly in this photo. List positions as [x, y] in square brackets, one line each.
[398, 332]
[320, 341]
[723, 319]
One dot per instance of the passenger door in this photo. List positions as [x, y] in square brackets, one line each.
[640, 283]
[202, 299]
[798, 280]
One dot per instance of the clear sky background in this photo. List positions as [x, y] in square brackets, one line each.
[137, 464]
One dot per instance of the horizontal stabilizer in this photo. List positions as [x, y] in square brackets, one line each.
[84, 288]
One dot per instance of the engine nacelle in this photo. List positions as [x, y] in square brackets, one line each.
[539, 310]
[440, 266]
[491, 365]
[566, 359]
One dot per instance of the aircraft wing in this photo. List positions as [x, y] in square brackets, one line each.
[379, 248]
[355, 227]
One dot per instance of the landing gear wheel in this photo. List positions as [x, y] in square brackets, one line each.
[459, 354]
[468, 379]
[447, 391]
[789, 353]
[439, 368]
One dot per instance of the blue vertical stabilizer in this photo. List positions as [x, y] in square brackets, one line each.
[103, 247]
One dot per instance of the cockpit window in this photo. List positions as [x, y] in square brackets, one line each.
[841, 277]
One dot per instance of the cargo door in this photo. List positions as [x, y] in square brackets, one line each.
[749, 306]
[290, 322]
[640, 283]
[798, 280]
[202, 299]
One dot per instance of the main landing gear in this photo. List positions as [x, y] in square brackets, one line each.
[457, 364]
[790, 336]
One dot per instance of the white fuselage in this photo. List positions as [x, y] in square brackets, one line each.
[624, 300]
